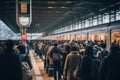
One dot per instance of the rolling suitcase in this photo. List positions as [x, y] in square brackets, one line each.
[50, 72]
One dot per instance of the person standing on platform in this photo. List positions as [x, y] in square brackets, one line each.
[10, 63]
[110, 67]
[71, 62]
[55, 55]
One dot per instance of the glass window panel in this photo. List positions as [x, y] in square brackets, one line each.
[83, 24]
[112, 16]
[71, 27]
[117, 14]
[77, 25]
[106, 18]
[95, 21]
[91, 21]
[80, 25]
[99, 19]
[86, 23]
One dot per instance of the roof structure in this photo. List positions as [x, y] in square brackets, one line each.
[48, 15]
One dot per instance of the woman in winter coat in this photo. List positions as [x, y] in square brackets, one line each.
[71, 62]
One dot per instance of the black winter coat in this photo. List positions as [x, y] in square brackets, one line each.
[10, 66]
[110, 68]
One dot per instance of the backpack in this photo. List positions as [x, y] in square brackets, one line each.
[95, 68]
[27, 75]
[56, 56]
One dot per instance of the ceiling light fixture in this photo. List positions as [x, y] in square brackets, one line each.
[51, 2]
[50, 7]
[68, 2]
[63, 7]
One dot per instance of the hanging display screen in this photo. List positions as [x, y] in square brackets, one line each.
[24, 8]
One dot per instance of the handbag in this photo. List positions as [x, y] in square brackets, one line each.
[27, 74]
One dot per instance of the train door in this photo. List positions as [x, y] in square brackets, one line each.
[72, 37]
[97, 36]
[80, 37]
[115, 37]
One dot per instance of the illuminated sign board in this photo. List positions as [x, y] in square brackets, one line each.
[23, 8]
[23, 13]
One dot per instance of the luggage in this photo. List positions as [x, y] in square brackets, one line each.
[50, 72]
[45, 64]
[27, 75]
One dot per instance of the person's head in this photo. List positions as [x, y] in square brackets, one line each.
[74, 48]
[9, 44]
[21, 49]
[114, 48]
[103, 45]
[88, 50]
[55, 44]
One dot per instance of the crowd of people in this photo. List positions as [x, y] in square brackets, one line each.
[71, 60]
[80, 60]
[13, 55]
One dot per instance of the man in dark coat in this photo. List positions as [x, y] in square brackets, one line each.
[10, 64]
[110, 68]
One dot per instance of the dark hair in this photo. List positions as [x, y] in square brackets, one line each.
[88, 50]
[21, 48]
[74, 48]
[114, 47]
[103, 45]
[9, 44]
[55, 44]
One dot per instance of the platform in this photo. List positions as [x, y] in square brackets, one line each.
[38, 70]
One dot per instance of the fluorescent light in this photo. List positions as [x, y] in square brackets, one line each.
[24, 20]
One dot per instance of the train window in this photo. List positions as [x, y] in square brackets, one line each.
[112, 16]
[99, 19]
[115, 37]
[106, 18]
[86, 23]
[80, 25]
[83, 24]
[95, 20]
[91, 22]
[70, 27]
[117, 14]
[97, 36]
[75, 25]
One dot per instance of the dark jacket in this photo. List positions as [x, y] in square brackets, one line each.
[86, 68]
[10, 66]
[71, 62]
[110, 68]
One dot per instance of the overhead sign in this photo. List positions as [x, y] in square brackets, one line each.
[24, 36]
[23, 13]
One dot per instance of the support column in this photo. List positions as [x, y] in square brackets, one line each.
[108, 38]
[87, 36]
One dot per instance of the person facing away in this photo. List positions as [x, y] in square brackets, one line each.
[71, 62]
[10, 63]
[56, 63]
[110, 67]
[103, 52]
[89, 65]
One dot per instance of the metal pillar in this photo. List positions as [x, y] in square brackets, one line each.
[108, 38]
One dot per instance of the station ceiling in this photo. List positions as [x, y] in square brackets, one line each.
[48, 15]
